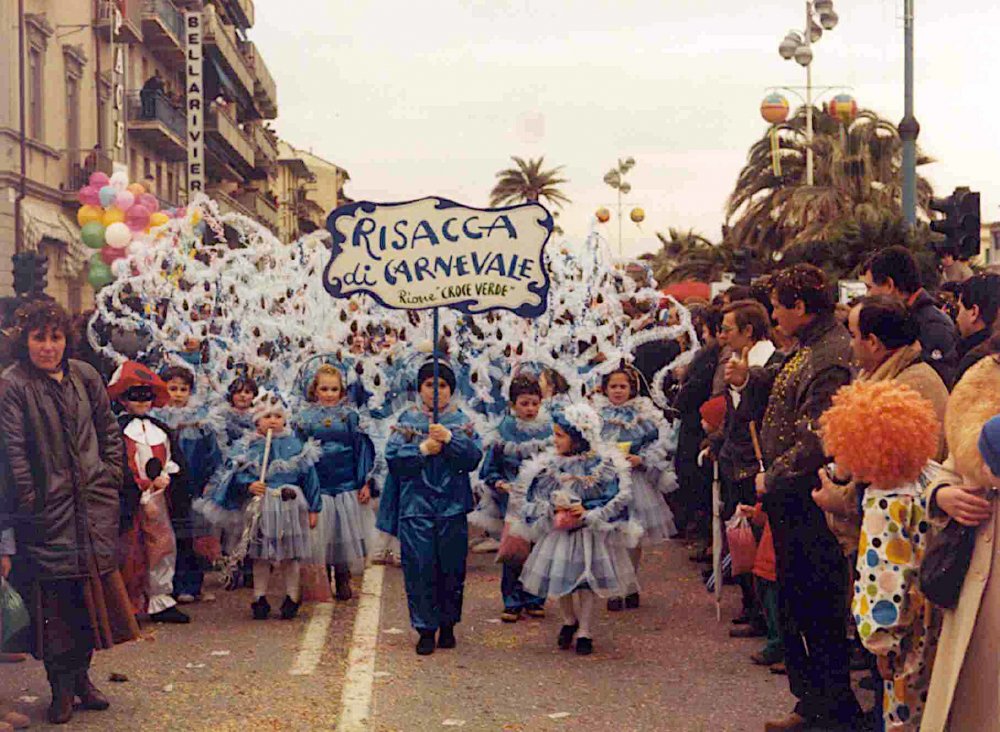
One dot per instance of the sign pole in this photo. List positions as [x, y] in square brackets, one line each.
[434, 347]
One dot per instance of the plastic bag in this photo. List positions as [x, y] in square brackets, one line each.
[742, 545]
[513, 548]
[14, 615]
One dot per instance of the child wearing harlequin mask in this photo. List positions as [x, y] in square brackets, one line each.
[894, 620]
[425, 503]
[155, 504]
[273, 533]
[343, 536]
[577, 511]
[638, 427]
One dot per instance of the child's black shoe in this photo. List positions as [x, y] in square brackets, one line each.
[446, 637]
[289, 608]
[632, 601]
[584, 646]
[566, 634]
[426, 644]
[261, 608]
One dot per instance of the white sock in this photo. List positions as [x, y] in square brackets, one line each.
[292, 570]
[585, 612]
[566, 606]
[261, 577]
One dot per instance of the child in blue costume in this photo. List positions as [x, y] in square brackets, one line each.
[196, 436]
[576, 510]
[519, 437]
[425, 503]
[641, 431]
[343, 536]
[234, 416]
[289, 507]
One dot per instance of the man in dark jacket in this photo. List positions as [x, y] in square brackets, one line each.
[62, 455]
[894, 272]
[745, 330]
[811, 570]
[978, 304]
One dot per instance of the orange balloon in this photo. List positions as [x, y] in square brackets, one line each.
[603, 215]
[137, 189]
[113, 215]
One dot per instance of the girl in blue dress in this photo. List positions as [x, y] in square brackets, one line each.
[425, 503]
[343, 536]
[643, 435]
[576, 510]
[273, 533]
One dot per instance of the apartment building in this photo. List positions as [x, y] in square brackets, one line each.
[77, 58]
[308, 188]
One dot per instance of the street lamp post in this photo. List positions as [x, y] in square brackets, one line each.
[909, 128]
[799, 46]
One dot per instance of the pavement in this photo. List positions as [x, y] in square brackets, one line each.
[668, 665]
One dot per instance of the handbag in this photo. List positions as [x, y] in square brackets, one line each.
[946, 562]
[14, 615]
[513, 548]
[742, 544]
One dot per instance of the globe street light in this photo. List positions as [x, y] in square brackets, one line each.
[819, 16]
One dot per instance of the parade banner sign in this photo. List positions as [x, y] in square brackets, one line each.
[434, 253]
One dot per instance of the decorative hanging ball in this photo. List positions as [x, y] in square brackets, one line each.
[843, 107]
[603, 215]
[637, 215]
[774, 109]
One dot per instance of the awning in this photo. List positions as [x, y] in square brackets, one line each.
[42, 220]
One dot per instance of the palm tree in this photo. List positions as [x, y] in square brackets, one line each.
[687, 255]
[857, 177]
[528, 183]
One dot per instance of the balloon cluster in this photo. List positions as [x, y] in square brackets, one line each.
[115, 215]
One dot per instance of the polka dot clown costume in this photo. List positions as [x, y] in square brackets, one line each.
[895, 621]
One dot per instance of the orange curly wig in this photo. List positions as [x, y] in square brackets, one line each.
[883, 432]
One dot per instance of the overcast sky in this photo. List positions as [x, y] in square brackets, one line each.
[419, 97]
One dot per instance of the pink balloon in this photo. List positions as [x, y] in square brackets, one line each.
[125, 200]
[137, 217]
[110, 254]
[89, 196]
[149, 202]
[98, 179]
[181, 212]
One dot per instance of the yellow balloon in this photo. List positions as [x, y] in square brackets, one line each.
[158, 219]
[195, 217]
[87, 214]
[637, 215]
[113, 216]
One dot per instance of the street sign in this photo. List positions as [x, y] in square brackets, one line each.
[433, 252]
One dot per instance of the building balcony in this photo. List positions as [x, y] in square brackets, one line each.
[222, 38]
[265, 152]
[163, 30]
[229, 204]
[81, 164]
[263, 210]
[244, 8]
[238, 150]
[155, 121]
[131, 30]
[265, 91]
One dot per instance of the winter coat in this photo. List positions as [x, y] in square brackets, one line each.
[938, 336]
[975, 400]
[695, 391]
[64, 461]
[971, 350]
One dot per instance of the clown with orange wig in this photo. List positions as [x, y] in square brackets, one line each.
[885, 434]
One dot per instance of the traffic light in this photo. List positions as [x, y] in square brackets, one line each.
[960, 225]
[741, 266]
[31, 272]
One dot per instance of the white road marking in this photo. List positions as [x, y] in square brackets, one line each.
[313, 640]
[356, 700]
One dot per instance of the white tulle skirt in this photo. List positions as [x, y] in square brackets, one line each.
[283, 532]
[650, 511]
[565, 561]
[344, 534]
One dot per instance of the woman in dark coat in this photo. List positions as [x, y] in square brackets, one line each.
[63, 467]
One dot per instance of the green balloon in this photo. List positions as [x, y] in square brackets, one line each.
[92, 234]
[100, 273]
